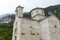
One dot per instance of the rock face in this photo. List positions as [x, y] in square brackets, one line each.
[37, 27]
[7, 18]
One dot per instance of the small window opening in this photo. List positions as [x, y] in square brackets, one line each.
[55, 26]
[22, 33]
[15, 31]
[16, 10]
[15, 37]
[36, 11]
[40, 39]
[32, 13]
[30, 26]
[32, 33]
[37, 33]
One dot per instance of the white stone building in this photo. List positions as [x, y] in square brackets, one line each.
[38, 27]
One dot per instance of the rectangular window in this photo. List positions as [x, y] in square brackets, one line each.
[32, 33]
[22, 33]
[37, 33]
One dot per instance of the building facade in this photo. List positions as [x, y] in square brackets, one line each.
[38, 27]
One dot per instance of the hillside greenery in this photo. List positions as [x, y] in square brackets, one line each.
[6, 31]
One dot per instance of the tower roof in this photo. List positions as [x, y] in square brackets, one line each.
[20, 6]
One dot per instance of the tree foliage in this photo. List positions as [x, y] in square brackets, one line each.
[6, 31]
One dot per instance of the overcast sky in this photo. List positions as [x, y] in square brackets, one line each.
[8, 6]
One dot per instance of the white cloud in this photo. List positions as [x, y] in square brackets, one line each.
[7, 6]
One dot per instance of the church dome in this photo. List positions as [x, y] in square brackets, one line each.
[36, 9]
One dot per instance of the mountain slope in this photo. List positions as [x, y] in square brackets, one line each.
[7, 18]
[53, 9]
[6, 31]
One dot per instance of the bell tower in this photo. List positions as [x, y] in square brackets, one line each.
[19, 11]
[17, 23]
